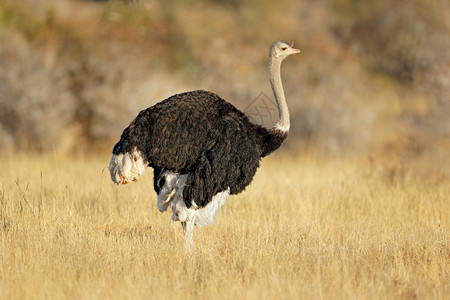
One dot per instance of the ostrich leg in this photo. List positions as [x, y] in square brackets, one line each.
[188, 229]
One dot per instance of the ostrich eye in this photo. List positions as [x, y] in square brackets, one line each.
[283, 48]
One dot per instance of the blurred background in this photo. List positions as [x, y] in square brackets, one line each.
[373, 78]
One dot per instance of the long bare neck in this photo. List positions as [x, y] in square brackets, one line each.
[283, 123]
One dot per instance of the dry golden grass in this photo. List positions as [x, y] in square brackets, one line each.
[305, 228]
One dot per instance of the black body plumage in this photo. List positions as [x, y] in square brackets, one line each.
[200, 134]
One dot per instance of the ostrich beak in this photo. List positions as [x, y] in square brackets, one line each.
[293, 51]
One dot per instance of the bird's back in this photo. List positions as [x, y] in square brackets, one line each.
[177, 130]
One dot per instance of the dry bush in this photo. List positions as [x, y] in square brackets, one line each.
[60, 91]
[409, 42]
[79, 87]
[74, 73]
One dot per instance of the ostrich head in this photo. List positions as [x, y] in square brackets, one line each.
[280, 50]
[127, 166]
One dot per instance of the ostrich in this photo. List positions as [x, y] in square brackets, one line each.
[201, 149]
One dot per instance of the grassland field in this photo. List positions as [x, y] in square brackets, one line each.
[306, 228]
